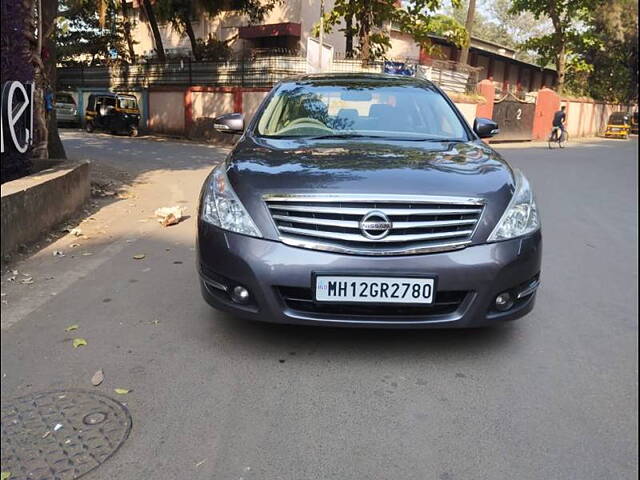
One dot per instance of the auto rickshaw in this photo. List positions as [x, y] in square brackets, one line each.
[113, 112]
[619, 125]
[634, 123]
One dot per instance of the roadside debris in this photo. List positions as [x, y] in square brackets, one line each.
[58, 253]
[57, 427]
[27, 281]
[97, 378]
[71, 328]
[106, 189]
[79, 342]
[139, 256]
[169, 215]
[122, 391]
[5, 475]
[200, 462]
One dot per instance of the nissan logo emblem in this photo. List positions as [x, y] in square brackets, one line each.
[375, 225]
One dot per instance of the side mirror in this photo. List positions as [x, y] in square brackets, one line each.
[485, 128]
[229, 123]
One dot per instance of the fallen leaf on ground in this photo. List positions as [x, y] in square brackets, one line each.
[5, 475]
[58, 253]
[74, 245]
[79, 342]
[75, 231]
[57, 427]
[97, 378]
[169, 215]
[140, 256]
[27, 281]
[46, 434]
[71, 328]
[121, 391]
[200, 462]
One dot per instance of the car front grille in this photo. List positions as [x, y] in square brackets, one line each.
[379, 225]
[301, 300]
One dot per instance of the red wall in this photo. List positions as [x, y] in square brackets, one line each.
[547, 104]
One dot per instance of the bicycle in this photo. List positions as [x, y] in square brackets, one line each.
[561, 139]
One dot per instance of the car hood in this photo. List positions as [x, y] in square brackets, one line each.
[273, 166]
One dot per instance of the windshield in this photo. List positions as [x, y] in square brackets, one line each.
[64, 98]
[618, 118]
[127, 102]
[397, 111]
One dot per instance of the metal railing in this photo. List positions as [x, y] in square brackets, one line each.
[252, 71]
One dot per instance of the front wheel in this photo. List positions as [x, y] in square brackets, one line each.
[89, 127]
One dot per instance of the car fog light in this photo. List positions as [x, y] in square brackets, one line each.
[504, 301]
[240, 295]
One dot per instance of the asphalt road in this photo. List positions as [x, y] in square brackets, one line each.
[552, 396]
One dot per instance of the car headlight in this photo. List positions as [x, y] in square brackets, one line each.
[222, 207]
[521, 215]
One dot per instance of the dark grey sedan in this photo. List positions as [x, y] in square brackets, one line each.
[366, 200]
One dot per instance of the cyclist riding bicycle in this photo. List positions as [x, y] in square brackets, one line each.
[559, 119]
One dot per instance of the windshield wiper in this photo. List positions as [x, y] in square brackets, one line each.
[342, 135]
[397, 139]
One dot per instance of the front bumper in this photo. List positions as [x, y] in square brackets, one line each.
[279, 278]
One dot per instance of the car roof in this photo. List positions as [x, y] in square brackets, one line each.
[382, 79]
[112, 95]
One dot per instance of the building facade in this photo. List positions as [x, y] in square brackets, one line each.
[288, 26]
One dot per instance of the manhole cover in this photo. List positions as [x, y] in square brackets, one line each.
[61, 435]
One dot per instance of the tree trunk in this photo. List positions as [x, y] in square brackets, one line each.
[40, 131]
[348, 35]
[363, 37]
[192, 38]
[464, 53]
[49, 15]
[560, 68]
[127, 31]
[151, 17]
[17, 41]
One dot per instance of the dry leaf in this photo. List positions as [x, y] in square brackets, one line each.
[140, 256]
[71, 328]
[97, 378]
[79, 342]
[121, 391]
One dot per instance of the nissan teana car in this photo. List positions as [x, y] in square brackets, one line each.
[366, 200]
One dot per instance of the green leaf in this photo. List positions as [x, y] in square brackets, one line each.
[79, 342]
[121, 391]
[70, 328]
[5, 475]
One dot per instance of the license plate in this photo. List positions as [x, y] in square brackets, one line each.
[352, 289]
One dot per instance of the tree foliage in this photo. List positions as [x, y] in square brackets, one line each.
[594, 45]
[562, 46]
[81, 39]
[371, 21]
[494, 22]
[181, 13]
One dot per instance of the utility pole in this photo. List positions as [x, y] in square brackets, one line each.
[321, 39]
[464, 53]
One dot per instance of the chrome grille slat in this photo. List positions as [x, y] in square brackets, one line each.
[409, 223]
[352, 237]
[391, 211]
